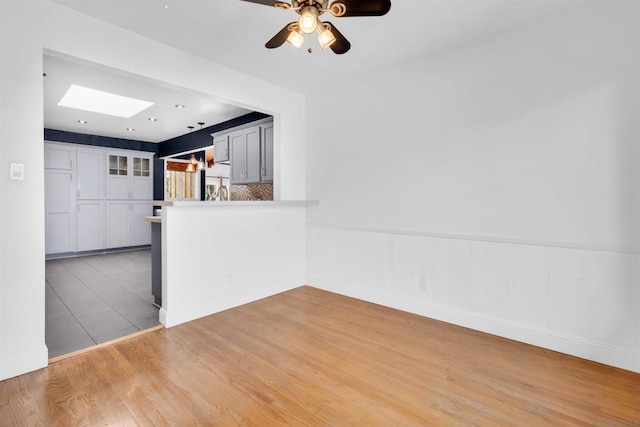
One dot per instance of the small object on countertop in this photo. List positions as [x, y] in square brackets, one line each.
[224, 193]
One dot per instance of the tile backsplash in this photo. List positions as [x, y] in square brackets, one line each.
[252, 192]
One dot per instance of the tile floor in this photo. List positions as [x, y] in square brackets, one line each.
[97, 298]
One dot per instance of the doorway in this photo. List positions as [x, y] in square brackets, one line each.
[93, 299]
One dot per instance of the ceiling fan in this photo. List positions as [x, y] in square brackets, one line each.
[309, 22]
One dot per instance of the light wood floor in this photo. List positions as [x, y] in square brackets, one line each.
[309, 357]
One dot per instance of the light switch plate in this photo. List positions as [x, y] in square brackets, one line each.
[17, 171]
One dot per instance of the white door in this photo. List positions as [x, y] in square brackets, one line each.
[59, 211]
[118, 223]
[90, 225]
[90, 174]
[140, 227]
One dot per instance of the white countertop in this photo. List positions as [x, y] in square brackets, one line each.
[234, 203]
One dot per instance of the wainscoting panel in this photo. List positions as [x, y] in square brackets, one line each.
[584, 302]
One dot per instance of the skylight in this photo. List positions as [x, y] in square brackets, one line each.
[97, 101]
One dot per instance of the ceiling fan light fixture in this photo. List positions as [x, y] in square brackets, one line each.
[296, 39]
[326, 37]
[308, 19]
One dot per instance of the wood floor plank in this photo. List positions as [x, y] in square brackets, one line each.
[309, 357]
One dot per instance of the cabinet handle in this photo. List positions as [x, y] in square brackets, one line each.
[78, 194]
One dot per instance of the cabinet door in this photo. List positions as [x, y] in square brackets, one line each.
[142, 178]
[117, 183]
[90, 225]
[118, 224]
[221, 148]
[90, 175]
[238, 157]
[58, 156]
[266, 154]
[59, 203]
[140, 227]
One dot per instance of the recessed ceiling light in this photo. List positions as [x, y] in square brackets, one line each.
[83, 122]
[97, 101]
[130, 129]
[180, 106]
[152, 119]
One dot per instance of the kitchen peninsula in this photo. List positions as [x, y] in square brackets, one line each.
[217, 255]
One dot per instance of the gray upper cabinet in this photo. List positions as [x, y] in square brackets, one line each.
[237, 149]
[248, 164]
[266, 154]
[250, 153]
[252, 165]
[221, 148]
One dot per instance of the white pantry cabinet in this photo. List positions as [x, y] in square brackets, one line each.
[59, 156]
[129, 176]
[126, 225]
[96, 198]
[59, 205]
[90, 174]
[90, 225]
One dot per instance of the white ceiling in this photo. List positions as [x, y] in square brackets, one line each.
[233, 33]
[61, 73]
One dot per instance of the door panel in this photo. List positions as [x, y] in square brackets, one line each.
[90, 225]
[140, 227]
[59, 211]
[90, 173]
[236, 142]
[118, 224]
[252, 139]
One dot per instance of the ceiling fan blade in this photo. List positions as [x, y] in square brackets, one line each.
[274, 3]
[281, 37]
[340, 8]
[341, 45]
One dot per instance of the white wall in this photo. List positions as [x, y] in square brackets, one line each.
[504, 172]
[220, 256]
[28, 27]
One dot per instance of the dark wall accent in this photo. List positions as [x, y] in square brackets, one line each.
[201, 138]
[99, 141]
[158, 179]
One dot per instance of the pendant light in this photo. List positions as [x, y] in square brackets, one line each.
[200, 163]
[192, 161]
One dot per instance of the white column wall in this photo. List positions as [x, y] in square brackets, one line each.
[26, 29]
[219, 257]
[504, 173]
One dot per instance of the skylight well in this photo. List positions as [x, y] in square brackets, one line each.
[97, 101]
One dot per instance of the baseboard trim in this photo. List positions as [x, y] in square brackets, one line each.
[26, 362]
[550, 340]
[222, 303]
